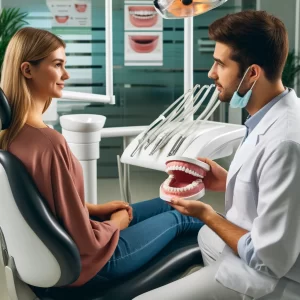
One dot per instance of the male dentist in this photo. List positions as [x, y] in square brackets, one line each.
[253, 253]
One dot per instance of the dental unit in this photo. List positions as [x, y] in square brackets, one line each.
[174, 132]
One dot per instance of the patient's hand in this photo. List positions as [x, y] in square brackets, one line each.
[104, 211]
[192, 208]
[215, 179]
[121, 219]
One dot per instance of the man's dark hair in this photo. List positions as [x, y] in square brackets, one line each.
[255, 37]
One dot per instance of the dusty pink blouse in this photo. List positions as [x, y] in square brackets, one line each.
[58, 176]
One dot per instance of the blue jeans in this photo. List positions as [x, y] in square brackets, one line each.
[154, 225]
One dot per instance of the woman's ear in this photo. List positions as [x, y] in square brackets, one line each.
[26, 70]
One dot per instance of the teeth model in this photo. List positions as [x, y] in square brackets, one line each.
[185, 178]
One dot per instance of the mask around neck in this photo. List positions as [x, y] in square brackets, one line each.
[238, 101]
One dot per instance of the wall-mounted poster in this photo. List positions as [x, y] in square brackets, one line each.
[142, 17]
[143, 36]
[70, 13]
[143, 49]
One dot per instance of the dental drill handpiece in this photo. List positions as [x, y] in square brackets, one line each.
[143, 137]
[151, 128]
[172, 114]
[167, 133]
[170, 117]
[158, 131]
[187, 131]
[186, 113]
[190, 129]
[185, 116]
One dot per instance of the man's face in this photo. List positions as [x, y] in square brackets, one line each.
[225, 73]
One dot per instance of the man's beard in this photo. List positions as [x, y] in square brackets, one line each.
[225, 96]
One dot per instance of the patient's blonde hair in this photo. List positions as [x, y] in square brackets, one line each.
[27, 45]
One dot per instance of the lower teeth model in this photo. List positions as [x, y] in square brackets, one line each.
[185, 178]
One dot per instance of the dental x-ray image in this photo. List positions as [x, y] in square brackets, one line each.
[143, 48]
[141, 17]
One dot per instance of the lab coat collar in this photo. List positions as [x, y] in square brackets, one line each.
[247, 148]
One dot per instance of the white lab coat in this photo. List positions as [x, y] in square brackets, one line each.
[263, 196]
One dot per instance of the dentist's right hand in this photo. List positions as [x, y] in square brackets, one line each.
[215, 179]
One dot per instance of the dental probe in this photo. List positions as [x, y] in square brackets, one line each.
[190, 129]
[167, 137]
[161, 118]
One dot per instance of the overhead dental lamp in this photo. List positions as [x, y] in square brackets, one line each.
[177, 9]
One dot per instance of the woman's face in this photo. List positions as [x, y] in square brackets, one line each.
[46, 80]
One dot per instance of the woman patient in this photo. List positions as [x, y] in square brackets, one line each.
[126, 237]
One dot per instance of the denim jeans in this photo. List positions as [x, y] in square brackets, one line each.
[154, 225]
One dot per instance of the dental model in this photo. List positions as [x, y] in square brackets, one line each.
[185, 178]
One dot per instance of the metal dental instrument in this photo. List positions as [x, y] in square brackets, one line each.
[171, 116]
[174, 116]
[190, 129]
[163, 138]
[180, 141]
[155, 123]
[167, 136]
[144, 136]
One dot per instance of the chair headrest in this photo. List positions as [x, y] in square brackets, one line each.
[5, 111]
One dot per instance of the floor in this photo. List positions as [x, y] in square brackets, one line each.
[144, 185]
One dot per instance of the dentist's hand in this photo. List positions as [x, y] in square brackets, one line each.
[192, 208]
[215, 179]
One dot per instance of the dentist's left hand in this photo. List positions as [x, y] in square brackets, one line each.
[104, 211]
[192, 208]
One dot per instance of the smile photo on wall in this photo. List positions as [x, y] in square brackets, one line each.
[70, 13]
[141, 17]
[143, 49]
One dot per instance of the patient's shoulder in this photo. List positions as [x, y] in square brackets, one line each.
[38, 140]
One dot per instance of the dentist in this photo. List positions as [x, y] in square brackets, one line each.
[254, 252]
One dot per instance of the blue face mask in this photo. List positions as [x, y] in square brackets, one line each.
[238, 101]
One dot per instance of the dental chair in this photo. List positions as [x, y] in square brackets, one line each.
[41, 260]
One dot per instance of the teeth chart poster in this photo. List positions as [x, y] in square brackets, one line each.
[143, 36]
[70, 13]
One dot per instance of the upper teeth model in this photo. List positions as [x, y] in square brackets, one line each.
[185, 178]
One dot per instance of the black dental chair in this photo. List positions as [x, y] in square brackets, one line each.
[39, 257]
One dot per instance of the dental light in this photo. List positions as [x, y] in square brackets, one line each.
[177, 9]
